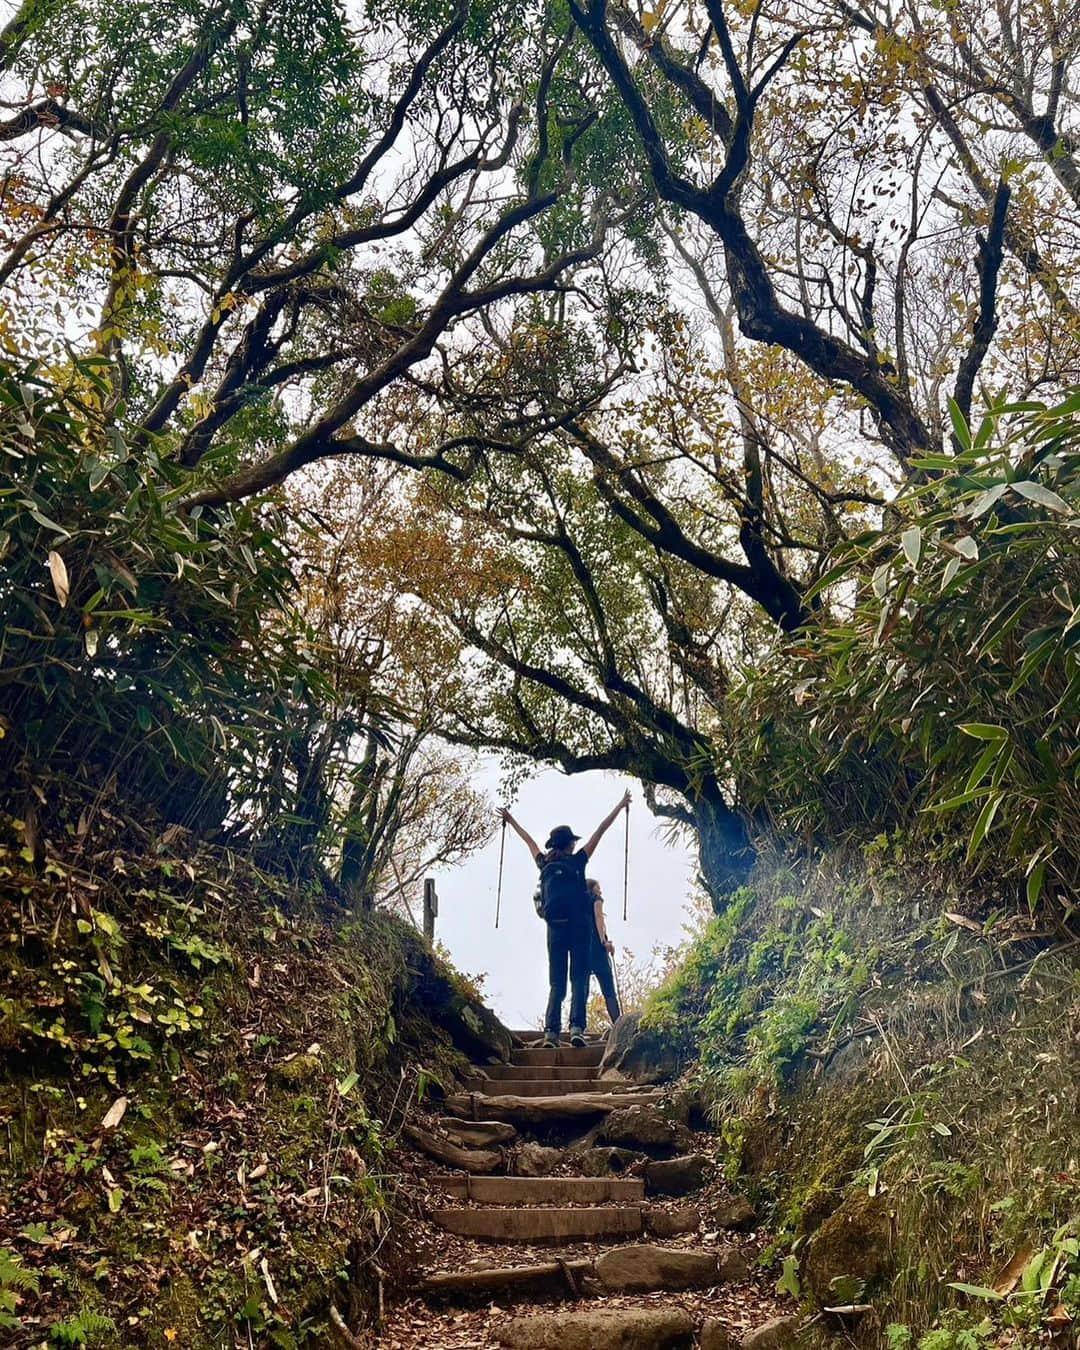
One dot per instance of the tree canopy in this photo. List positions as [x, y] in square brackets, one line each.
[586, 362]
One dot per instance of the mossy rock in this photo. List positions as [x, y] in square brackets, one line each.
[850, 1251]
[299, 1069]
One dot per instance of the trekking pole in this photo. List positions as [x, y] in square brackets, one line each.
[498, 893]
[626, 864]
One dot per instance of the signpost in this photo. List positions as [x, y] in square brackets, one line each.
[431, 908]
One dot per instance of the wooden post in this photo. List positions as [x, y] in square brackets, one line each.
[431, 908]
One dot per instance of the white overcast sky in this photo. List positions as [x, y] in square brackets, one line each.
[514, 958]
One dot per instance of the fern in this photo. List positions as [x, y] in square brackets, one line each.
[14, 1275]
[82, 1329]
[15, 1279]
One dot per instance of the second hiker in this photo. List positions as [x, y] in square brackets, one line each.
[566, 907]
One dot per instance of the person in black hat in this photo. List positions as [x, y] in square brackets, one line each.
[566, 907]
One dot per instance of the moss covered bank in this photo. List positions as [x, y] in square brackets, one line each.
[202, 1074]
[894, 1068]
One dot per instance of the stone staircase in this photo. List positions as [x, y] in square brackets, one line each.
[607, 1283]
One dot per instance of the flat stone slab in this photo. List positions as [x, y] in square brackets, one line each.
[564, 1056]
[542, 1190]
[546, 1277]
[643, 1269]
[539, 1072]
[535, 1087]
[599, 1329]
[535, 1225]
[542, 1110]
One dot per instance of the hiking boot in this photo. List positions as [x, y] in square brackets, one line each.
[577, 1040]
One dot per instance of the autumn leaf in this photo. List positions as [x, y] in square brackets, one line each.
[1007, 1278]
[59, 573]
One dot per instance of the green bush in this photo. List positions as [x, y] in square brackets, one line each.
[150, 651]
[949, 691]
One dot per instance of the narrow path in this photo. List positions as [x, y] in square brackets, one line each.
[575, 1214]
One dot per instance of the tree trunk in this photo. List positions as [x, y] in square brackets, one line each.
[725, 852]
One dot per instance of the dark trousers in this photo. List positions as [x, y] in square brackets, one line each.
[568, 946]
[600, 963]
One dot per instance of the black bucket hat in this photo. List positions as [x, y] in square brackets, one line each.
[562, 836]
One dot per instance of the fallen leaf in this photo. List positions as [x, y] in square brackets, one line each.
[1008, 1277]
[264, 1266]
[115, 1114]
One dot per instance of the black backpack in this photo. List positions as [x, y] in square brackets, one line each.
[562, 892]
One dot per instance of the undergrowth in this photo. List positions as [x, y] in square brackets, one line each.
[863, 1034]
[204, 1071]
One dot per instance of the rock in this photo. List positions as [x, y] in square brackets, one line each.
[733, 1266]
[676, 1176]
[735, 1212]
[714, 1335]
[776, 1334]
[606, 1162]
[298, 1069]
[668, 1223]
[633, 1052]
[600, 1329]
[853, 1246]
[534, 1160]
[645, 1128]
[642, 1268]
[477, 1133]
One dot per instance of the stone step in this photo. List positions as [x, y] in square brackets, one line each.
[538, 1225]
[565, 1054]
[534, 1087]
[593, 1037]
[552, 1278]
[542, 1190]
[542, 1072]
[600, 1329]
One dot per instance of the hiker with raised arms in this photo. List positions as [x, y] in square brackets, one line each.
[566, 907]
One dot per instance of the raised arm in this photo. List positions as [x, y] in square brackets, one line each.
[529, 842]
[605, 824]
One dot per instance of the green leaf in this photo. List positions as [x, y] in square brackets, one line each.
[961, 430]
[984, 823]
[1035, 884]
[348, 1083]
[976, 1290]
[985, 500]
[982, 764]
[788, 1283]
[911, 541]
[1036, 492]
[984, 731]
